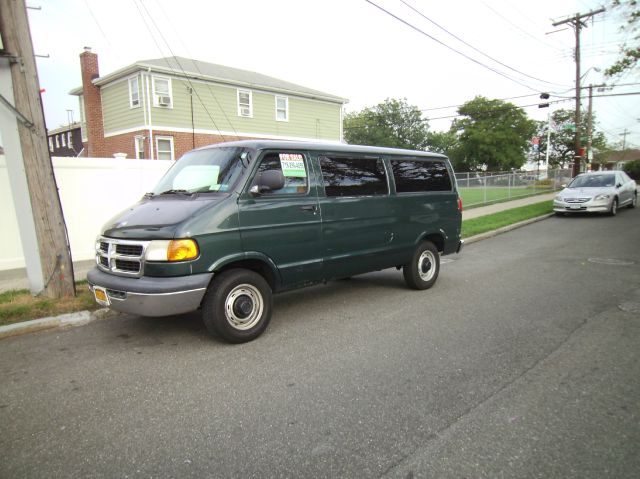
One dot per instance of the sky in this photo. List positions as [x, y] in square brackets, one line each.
[434, 53]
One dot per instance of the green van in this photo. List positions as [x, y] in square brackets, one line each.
[232, 223]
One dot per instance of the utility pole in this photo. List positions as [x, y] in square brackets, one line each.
[590, 124]
[577, 24]
[33, 183]
[624, 139]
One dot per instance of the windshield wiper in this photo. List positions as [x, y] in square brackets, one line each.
[176, 192]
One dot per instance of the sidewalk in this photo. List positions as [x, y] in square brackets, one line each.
[17, 278]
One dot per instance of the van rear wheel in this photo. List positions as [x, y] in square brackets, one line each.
[237, 306]
[422, 271]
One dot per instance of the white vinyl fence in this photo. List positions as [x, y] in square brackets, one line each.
[92, 190]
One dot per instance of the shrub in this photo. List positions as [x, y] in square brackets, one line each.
[632, 169]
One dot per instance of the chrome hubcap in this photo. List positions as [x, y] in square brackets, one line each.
[426, 265]
[243, 307]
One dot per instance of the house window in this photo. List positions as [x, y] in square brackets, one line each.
[63, 137]
[162, 92]
[134, 92]
[50, 143]
[57, 141]
[245, 104]
[282, 108]
[139, 147]
[164, 147]
[69, 140]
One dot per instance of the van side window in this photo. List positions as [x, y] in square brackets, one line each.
[353, 176]
[293, 167]
[413, 176]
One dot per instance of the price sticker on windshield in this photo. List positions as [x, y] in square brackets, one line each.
[292, 165]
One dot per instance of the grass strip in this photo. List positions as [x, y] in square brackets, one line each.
[20, 305]
[495, 221]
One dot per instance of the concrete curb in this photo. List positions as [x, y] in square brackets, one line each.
[81, 318]
[504, 229]
[63, 321]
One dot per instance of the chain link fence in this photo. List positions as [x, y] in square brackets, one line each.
[481, 188]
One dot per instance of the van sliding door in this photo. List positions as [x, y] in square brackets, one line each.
[357, 216]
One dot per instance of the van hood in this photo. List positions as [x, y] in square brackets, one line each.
[157, 217]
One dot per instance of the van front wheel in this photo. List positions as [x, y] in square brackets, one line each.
[237, 306]
[422, 271]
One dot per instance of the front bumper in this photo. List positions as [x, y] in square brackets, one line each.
[147, 296]
[591, 206]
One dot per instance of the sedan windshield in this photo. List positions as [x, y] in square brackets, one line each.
[204, 171]
[593, 181]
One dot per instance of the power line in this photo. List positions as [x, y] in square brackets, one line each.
[472, 47]
[456, 106]
[498, 72]
[195, 64]
[179, 65]
[518, 28]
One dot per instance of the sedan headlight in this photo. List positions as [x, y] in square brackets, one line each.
[172, 250]
[602, 197]
[559, 198]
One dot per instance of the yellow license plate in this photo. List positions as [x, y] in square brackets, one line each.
[101, 296]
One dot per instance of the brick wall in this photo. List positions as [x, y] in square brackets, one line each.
[182, 142]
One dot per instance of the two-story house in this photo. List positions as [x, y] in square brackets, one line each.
[164, 107]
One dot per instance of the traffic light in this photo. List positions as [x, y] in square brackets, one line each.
[544, 96]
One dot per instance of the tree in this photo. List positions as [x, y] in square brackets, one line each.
[633, 169]
[562, 149]
[630, 50]
[393, 123]
[445, 142]
[492, 135]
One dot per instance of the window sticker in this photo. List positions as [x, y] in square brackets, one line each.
[292, 165]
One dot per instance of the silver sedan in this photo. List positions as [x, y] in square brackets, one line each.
[597, 192]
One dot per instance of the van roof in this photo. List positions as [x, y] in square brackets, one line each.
[321, 146]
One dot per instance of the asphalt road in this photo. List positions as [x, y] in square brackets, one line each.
[523, 361]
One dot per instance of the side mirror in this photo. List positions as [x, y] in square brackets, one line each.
[268, 181]
[619, 185]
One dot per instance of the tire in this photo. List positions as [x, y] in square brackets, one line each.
[237, 306]
[614, 207]
[422, 271]
[634, 201]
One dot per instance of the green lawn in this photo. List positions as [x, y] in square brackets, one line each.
[476, 196]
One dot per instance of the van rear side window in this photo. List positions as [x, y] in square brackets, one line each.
[353, 176]
[412, 176]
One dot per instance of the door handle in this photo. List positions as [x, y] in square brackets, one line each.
[309, 208]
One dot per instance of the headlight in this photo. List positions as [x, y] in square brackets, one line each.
[172, 250]
[559, 198]
[601, 197]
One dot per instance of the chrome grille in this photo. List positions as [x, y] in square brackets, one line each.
[576, 200]
[123, 257]
[129, 249]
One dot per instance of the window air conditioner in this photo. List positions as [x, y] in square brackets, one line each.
[164, 100]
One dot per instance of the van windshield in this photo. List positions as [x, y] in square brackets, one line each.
[205, 171]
